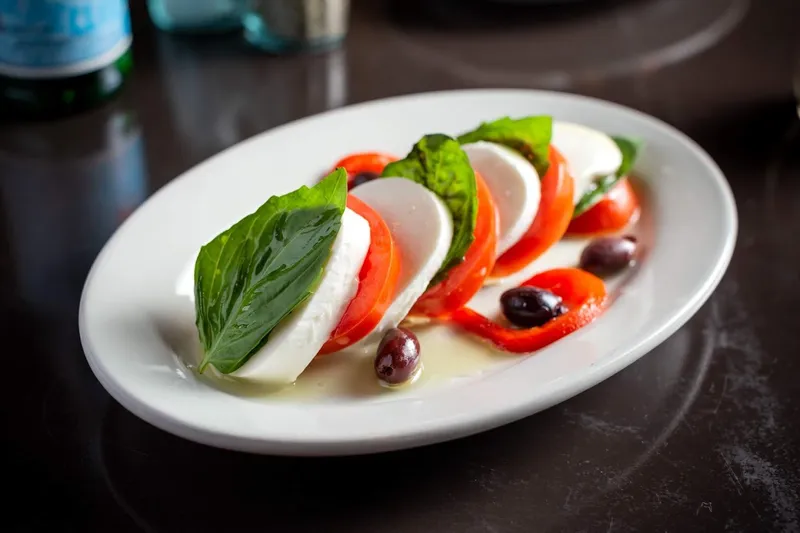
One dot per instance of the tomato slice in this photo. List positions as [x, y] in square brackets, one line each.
[364, 162]
[377, 282]
[582, 293]
[466, 279]
[612, 213]
[550, 224]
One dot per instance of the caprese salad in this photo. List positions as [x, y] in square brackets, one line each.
[342, 264]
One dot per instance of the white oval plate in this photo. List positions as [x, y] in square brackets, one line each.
[130, 293]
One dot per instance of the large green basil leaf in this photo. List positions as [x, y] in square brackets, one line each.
[530, 136]
[630, 149]
[438, 163]
[254, 274]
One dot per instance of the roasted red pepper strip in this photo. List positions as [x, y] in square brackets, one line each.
[582, 293]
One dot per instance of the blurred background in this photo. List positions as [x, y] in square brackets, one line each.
[102, 102]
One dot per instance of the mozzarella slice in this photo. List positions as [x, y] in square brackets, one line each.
[293, 344]
[422, 228]
[515, 187]
[589, 154]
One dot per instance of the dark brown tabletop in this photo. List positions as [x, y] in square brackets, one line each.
[702, 434]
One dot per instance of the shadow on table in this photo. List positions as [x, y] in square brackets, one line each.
[164, 481]
[748, 134]
[492, 14]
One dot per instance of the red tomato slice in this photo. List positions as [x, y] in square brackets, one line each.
[377, 282]
[612, 213]
[583, 293]
[364, 162]
[464, 280]
[550, 224]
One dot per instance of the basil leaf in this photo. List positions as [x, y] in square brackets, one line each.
[630, 149]
[255, 273]
[530, 136]
[438, 163]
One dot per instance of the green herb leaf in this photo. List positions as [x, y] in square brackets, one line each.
[530, 136]
[254, 274]
[630, 149]
[438, 163]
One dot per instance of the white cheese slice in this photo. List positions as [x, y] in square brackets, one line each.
[589, 153]
[422, 228]
[295, 342]
[514, 185]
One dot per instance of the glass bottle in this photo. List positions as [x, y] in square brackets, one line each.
[58, 57]
[285, 26]
[196, 16]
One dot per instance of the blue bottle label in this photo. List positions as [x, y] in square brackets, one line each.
[59, 38]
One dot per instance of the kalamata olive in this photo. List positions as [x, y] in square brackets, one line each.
[362, 177]
[530, 307]
[606, 256]
[398, 356]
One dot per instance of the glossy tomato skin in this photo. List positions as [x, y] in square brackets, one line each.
[377, 283]
[551, 222]
[364, 163]
[614, 212]
[466, 279]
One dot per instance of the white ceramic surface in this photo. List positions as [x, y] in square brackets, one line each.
[134, 310]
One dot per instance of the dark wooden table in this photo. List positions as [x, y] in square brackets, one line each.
[700, 435]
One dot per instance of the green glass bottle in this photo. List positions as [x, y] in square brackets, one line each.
[59, 57]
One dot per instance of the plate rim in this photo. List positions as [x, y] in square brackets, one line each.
[458, 426]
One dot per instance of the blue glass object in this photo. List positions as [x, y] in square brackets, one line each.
[196, 16]
[281, 26]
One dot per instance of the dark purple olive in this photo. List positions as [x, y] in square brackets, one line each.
[361, 178]
[530, 307]
[606, 256]
[398, 356]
